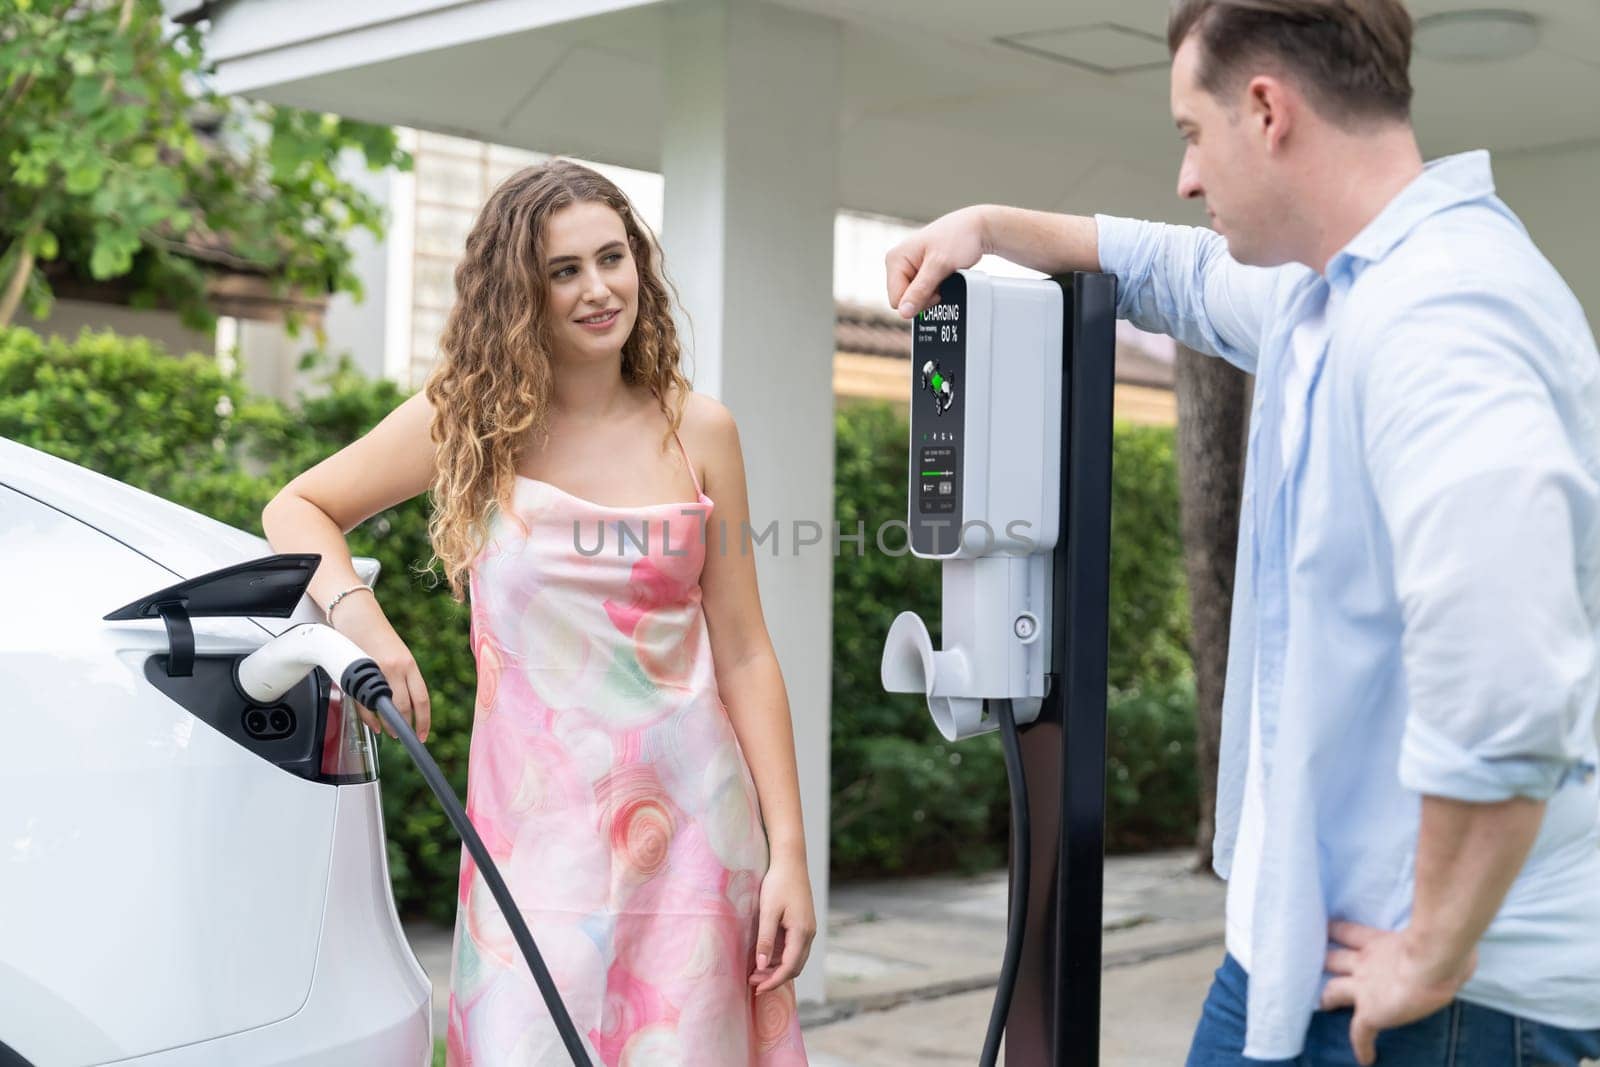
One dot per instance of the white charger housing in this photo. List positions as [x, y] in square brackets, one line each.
[985, 483]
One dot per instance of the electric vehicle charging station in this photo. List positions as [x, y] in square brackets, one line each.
[1010, 487]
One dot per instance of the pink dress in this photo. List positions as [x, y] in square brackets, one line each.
[607, 783]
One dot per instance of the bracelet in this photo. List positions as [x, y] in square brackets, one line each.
[335, 601]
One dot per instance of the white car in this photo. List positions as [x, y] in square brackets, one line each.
[186, 879]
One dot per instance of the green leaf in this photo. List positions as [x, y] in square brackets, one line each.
[44, 245]
[85, 96]
[113, 255]
[84, 178]
[103, 261]
[28, 171]
[120, 58]
[378, 143]
[288, 152]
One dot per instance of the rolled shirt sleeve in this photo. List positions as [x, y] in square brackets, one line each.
[1483, 500]
[1180, 280]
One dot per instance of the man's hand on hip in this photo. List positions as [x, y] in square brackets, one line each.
[1390, 979]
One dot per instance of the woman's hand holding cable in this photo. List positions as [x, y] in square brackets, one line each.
[361, 619]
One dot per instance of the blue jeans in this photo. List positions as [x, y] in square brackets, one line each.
[1461, 1035]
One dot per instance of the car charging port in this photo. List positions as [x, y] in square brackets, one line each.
[269, 723]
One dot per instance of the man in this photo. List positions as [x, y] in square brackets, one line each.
[1407, 809]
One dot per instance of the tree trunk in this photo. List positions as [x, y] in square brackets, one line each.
[17, 284]
[1213, 417]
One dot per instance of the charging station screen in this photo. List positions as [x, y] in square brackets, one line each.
[938, 388]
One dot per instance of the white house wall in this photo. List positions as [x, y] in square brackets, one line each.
[359, 328]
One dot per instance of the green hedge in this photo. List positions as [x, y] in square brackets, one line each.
[182, 429]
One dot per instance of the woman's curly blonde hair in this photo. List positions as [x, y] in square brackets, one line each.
[490, 390]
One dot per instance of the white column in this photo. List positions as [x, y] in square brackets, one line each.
[1552, 191]
[749, 166]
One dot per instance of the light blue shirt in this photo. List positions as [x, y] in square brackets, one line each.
[1417, 592]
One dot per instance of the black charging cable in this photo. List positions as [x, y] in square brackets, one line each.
[366, 683]
[1021, 862]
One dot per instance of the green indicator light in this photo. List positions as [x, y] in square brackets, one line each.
[937, 474]
[938, 379]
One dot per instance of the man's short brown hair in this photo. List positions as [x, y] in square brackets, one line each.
[1351, 57]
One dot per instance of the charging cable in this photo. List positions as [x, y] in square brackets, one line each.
[1021, 863]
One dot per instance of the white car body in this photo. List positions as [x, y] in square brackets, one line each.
[168, 897]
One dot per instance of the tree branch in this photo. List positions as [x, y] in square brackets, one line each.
[18, 282]
[16, 92]
[219, 256]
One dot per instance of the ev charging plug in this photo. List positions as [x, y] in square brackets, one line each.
[277, 666]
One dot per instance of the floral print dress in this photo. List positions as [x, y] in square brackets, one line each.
[606, 781]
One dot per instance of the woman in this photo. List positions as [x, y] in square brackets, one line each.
[632, 732]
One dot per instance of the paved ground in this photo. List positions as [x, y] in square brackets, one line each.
[1150, 1012]
[911, 966]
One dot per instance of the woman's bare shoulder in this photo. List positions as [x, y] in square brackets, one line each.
[708, 421]
[710, 435]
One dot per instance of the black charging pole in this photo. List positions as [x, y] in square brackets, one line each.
[1055, 1011]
